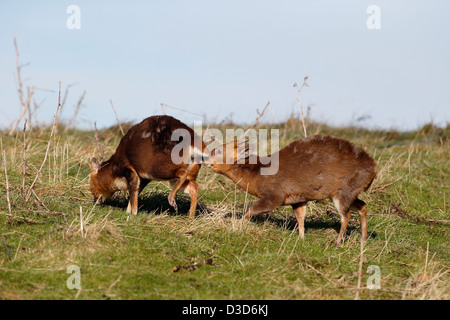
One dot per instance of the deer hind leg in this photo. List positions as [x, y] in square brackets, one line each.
[262, 206]
[360, 206]
[300, 213]
[344, 212]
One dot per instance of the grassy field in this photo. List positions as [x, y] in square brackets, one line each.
[133, 257]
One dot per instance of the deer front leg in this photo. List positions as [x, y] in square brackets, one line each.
[129, 206]
[181, 175]
[300, 213]
[133, 202]
[133, 182]
[191, 188]
[143, 183]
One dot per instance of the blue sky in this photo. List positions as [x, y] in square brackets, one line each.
[227, 59]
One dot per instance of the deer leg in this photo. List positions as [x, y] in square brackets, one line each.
[133, 202]
[133, 182]
[181, 175]
[142, 185]
[262, 206]
[300, 213]
[129, 206]
[191, 188]
[360, 206]
[344, 212]
[345, 218]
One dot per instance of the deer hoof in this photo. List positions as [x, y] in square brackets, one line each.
[173, 203]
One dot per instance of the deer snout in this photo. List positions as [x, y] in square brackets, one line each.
[102, 198]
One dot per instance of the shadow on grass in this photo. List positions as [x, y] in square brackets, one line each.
[317, 223]
[157, 202]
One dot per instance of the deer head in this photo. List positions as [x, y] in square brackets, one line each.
[99, 182]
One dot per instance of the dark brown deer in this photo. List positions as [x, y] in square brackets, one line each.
[313, 168]
[145, 154]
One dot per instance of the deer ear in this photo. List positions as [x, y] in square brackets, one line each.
[93, 165]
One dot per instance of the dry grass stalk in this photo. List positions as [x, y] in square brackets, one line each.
[64, 99]
[6, 176]
[98, 149]
[25, 103]
[260, 114]
[66, 93]
[18, 247]
[35, 108]
[108, 292]
[360, 266]
[426, 260]
[81, 223]
[24, 171]
[75, 113]
[299, 89]
[117, 118]
[40, 201]
[50, 140]
[179, 109]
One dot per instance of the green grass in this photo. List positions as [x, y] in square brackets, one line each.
[133, 257]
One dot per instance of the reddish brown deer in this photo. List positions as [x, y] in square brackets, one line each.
[145, 154]
[313, 168]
